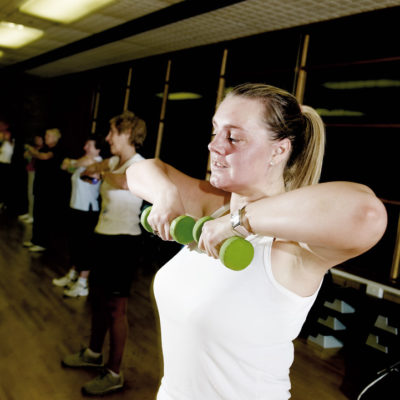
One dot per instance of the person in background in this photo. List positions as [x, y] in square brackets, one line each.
[117, 237]
[6, 153]
[83, 216]
[229, 334]
[30, 169]
[48, 190]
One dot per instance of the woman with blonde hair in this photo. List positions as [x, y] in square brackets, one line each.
[228, 334]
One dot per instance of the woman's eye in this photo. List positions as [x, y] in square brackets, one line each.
[232, 139]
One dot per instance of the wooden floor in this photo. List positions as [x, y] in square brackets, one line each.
[38, 326]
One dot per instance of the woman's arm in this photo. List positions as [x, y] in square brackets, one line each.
[172, 193]
[71, 164]
[101, 170]
[95, 168]
[38, 154]
[335, 221]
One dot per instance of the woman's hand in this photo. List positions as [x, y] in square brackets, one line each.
[30, 150]
[214, 233]
[163, 212]
[93, 171]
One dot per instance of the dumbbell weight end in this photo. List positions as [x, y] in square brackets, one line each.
[181, 227]
[235, 253]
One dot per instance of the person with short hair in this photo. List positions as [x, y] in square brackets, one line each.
[117, 237]
[84, 210]
[47, 189]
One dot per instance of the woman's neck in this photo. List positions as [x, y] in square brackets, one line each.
[239, 200]
[125, 155]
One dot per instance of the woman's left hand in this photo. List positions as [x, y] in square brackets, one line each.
[214, 233]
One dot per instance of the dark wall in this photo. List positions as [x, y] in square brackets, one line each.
[353, 80]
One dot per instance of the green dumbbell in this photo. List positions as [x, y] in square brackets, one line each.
[235, 253]
[181, 227]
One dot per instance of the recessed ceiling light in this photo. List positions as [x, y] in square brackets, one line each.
[64, 11]
[15, 35]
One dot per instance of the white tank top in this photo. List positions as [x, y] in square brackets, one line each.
[226, 334]
[120, 209]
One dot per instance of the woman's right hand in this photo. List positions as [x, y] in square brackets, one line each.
[164, 210]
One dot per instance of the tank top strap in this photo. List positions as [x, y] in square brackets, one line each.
[220, 211]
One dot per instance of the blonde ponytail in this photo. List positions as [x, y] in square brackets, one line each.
[306, 168]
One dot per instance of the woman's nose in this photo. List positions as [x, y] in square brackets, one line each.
[216, 145]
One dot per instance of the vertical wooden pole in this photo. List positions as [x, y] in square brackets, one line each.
[163, 109]
[95, 110]
[128, 89]
[302, 74]
[220, 96]
[394, 273]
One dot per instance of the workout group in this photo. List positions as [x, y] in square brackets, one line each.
[226, 332]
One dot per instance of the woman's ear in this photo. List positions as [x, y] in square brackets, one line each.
[281, 151]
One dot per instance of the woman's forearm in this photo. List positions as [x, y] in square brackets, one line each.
[341, 216]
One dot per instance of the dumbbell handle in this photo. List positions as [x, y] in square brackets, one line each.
[181, 228]
[235, 253]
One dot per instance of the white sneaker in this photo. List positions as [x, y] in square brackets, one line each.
[36, 248]
[67, 279]
[78, 289]
[28, 244]
[28, 220]
[23, 217]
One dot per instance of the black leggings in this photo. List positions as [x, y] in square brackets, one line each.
[80, 237]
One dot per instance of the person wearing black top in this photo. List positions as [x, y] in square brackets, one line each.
[47, 189]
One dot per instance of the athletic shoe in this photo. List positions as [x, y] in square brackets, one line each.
[28, 244]
[23, 217]
[78, 289]
[103, 384]
[29, 220]
[36, 248]
[66, 280]
[82, 359]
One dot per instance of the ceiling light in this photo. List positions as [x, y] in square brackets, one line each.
[15, 35]
[65, 11]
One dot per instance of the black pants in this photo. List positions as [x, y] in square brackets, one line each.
[48, 217]
[80, 237]
[5, 187]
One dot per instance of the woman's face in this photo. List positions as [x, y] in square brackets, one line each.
[51, 138]
[90, 149]
[117, 141]
[241, 149]
[38, 141]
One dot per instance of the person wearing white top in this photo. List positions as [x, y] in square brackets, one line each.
[83, 216]
[226, 334]
[6, 153]
[117, 237]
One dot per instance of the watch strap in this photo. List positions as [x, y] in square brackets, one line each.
[236, 222]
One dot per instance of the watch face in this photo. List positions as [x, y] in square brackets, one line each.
[235, 219]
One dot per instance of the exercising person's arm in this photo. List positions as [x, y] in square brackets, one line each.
[172, 193]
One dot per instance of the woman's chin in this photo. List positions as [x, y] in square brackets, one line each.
[219, 183]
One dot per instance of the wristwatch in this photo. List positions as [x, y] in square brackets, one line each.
[236, 222]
